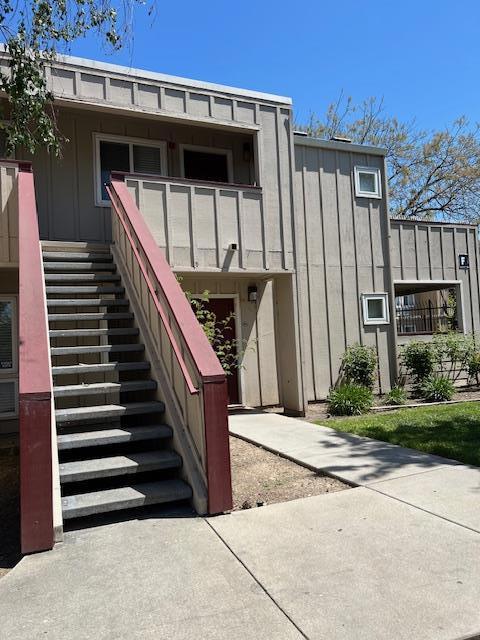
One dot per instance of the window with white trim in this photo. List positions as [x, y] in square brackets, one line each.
[130, 155]
[206, 163]
[367, 182]
[375, 308]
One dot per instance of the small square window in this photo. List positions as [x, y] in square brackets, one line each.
[367, 182]
[375, 308]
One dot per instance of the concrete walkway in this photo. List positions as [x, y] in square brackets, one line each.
[395, 558]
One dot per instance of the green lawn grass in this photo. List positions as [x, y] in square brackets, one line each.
[452, 431]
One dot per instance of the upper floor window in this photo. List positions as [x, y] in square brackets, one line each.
[367, 182]
[131, 155]
[206, 163]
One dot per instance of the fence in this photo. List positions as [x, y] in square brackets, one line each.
[425, 320]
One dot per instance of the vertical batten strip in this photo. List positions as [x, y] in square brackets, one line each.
[218, 228]
[192, 224]
[241, 231]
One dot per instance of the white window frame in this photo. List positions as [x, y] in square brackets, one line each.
[375, 296]
[374, 171]
[213, 150]
[14, 368]
[140, 142]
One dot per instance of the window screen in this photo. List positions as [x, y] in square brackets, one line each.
[376, 309]
[368, 183]
[6, 335]
[146, 159]
[202, 165]
[7, 397]
[114, 156]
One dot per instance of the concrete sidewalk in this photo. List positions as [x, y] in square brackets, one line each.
[395, 558]
[445, 488]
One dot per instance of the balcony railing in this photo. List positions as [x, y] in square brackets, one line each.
[425, 320]
[208, 225]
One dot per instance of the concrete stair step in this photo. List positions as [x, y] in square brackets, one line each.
[78, 266]
[79, 369]
[80, 317]
[88, 333]
[113, 466]
[87, 504]
[88, 302]
[96, 348]
[82, 290]
[107, 411]
[97, 388]
[77, 256]
[81, 277]
[119, 435]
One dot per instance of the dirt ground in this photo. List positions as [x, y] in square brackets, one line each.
[260, 477]
[9, 510]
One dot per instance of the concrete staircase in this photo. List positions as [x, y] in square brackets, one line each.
[114, 448]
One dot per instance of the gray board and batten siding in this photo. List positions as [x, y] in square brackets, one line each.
[102, 98]
[342, 252]
[429, 251]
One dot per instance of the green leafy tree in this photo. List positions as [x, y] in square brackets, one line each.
[431, 174]
[34, 32]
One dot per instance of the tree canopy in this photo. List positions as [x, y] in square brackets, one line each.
[431, 174]
[34, 32]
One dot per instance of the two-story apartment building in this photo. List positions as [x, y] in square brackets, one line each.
[164, 180]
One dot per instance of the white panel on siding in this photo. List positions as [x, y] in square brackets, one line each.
[246, 112]
[175, 100]
[63, 81]
[121, 92]
[93, 86]
[223, 109]
[154, 211]
[205, 218]
[199, 104]
[148, 96]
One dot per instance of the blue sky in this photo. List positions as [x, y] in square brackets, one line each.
[422, 56]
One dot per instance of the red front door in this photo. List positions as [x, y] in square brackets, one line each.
[224, 308]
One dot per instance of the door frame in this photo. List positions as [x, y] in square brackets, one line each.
[238, 331]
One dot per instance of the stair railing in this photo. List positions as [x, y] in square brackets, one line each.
[194, 371]
[35, 380]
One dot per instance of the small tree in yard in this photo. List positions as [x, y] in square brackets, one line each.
[33, 32]
[217, 331]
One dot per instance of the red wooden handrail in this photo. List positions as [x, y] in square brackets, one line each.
[204, 358]
[35, 383]
[212, 376]
[175, 348]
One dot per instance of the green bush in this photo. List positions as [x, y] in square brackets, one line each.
[437, 389]
[474, 368]
[396, 396]
[452, 352]
[419, 359]
[350, 400]
[359, 364]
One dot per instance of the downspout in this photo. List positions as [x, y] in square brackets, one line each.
[393, 343]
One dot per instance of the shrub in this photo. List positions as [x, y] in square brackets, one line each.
[437, 389]
[349, 400]
[419, 359]
[396, 396]
[452, 352]
[359, 364]
[474, 368]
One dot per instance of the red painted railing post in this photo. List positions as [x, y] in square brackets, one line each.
[35, 385]
[215, 401]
